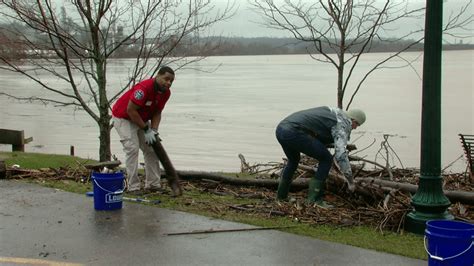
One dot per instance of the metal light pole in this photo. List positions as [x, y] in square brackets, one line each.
[429, 202]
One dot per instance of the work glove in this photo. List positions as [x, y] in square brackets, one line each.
[351, 186]
[350, 182]
[151, 135]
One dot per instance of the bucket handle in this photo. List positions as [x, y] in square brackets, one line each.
[113, 192]
[448, 258]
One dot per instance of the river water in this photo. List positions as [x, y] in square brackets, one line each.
[211, 117]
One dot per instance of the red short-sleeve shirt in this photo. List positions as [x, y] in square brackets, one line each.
[144, 95]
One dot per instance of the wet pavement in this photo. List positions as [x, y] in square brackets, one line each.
[43, 225]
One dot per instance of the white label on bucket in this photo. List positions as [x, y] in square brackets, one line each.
[112, 197]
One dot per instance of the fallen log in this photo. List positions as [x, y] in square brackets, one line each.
[267, 183]
[464, 197]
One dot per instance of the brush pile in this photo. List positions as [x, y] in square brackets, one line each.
[382, 197]
[374, 203]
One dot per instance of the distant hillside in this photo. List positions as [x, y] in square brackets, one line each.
[14, 46]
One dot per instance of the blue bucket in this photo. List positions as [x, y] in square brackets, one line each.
[449, 243]
[108, 190]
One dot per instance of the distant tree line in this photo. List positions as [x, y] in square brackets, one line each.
[267, 45]
[13, 46]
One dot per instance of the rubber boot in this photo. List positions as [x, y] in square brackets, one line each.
[316, 193]
[283, 189]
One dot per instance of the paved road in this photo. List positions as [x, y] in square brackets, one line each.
[39, 224]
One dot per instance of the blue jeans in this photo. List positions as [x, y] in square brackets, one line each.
[295, 141]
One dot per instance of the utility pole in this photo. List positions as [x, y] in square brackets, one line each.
[429, 202]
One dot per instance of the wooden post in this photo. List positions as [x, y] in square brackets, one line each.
[3, 169]
[20, 145]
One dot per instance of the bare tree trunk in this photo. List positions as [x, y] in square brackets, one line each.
[104, 139]
[104, 119]
[340, 89]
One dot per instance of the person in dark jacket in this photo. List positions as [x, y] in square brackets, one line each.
[309, 131]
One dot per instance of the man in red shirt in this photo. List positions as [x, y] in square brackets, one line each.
[136, 117]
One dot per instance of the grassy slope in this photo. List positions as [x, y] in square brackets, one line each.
[406, 245]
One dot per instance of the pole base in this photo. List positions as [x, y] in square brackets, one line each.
[415, 222]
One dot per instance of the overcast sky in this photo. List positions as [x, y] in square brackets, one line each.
[243, 23]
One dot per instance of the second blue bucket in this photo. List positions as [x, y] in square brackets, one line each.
[108, 190]
[449, 243]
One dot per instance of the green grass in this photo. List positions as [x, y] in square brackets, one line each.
[193, 200]
[39, 160]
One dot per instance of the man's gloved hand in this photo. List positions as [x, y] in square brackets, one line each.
[151, 135]
[350, 183]
[351, 187]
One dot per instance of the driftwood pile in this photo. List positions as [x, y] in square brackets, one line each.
[348, 211]
[382, 195]
[377, 201]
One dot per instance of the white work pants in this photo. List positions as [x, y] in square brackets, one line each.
[133, 139]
